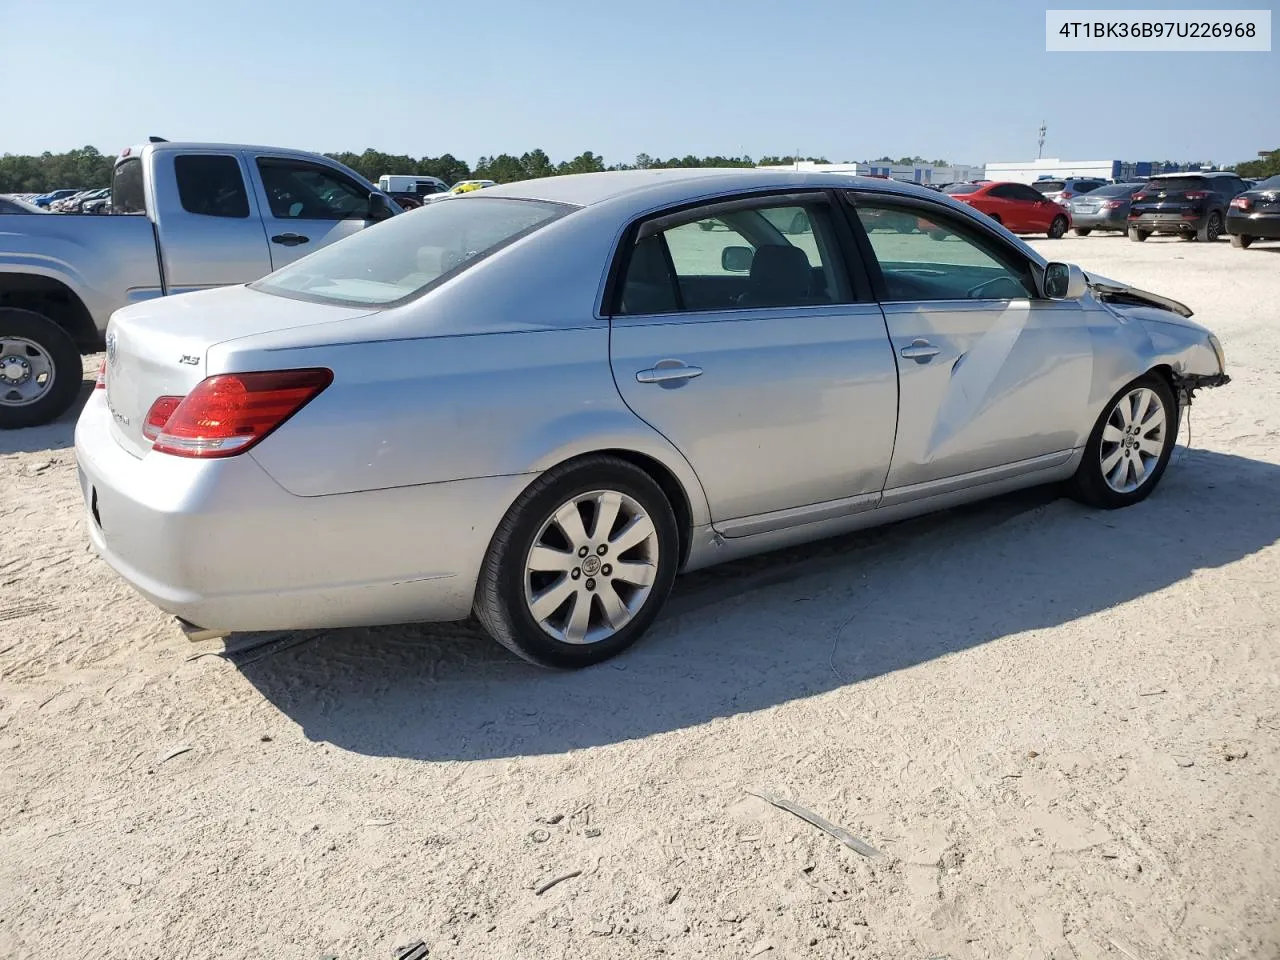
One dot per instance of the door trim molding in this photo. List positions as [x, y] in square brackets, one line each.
[930, 488]
[795, 516]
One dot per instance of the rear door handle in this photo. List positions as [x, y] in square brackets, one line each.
[289, 239]
[921, 351]
[668, 371]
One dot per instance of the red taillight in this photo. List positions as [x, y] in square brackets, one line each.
[1242, 203]
[159, 415]
[229, 413]
[101, 382]
[1066, 195]
[1139, 197]
[1195, 194]
[1112, 204]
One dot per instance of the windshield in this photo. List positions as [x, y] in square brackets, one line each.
[1049, 186]
[408, 253]
[962, 188]
[1271, 183]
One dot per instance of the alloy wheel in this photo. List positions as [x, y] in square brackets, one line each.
[592, 567]
[1133, 440]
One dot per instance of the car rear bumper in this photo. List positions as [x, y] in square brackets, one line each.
[223, 546]
[1098, 221]
[1263, 225]
[1167, 222]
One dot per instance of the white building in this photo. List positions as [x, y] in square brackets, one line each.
[914, 173]
[1029, 171]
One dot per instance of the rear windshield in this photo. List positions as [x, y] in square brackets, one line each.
[1271, 183]
[1178, 183]
[1115, 190]
[408, 253]
[962, 188]
[1049, 186]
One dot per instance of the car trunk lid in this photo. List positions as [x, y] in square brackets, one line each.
[160, 348]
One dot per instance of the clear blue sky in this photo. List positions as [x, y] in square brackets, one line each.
[968, 81]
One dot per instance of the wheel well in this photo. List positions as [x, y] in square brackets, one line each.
[1165, 373]
[53, 299]
[673, 489]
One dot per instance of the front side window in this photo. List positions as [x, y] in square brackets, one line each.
[734, 257]
[297, 190]
[942, 259]
[405, 255]
[127, 192]
[211, 186]
[1020, 191]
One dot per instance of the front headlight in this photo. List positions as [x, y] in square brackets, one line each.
[1217, 351]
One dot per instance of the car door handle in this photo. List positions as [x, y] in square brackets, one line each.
[290, 239]
[668, 371]
[921, 351]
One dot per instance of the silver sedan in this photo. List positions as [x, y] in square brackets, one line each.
[540, 402]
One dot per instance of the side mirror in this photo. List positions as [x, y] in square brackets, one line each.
[736, 259]
[1064, 281]
[380, 207]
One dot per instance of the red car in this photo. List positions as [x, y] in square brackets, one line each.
[1016, 205]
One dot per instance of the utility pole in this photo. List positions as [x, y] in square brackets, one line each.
[1040, 142]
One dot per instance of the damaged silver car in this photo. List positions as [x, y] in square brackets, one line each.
[540, 402]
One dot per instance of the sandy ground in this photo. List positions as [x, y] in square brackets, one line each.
[1061, 728]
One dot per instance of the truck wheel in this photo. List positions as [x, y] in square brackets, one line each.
[1240, 240]
[40, 369]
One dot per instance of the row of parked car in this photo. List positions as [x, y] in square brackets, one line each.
[1194, 206]
[59, 201]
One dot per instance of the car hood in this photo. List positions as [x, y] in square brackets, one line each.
[1108, 289]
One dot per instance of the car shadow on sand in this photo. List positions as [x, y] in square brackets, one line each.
[58, 435]
[757, 633]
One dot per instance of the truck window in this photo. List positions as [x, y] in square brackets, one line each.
[127, 193]
[211, 185]
[297, 190]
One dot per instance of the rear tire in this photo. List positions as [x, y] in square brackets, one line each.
[1138, 236]
[1082, 231]
[1127, 455]
[40, 369]
[1212, 228]
[1058, 228]
[533, 556]
[1241, 241]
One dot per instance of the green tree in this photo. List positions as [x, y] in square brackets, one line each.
[1266, 166]
[585, 162]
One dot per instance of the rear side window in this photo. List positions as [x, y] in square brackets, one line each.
[1004, 191]
[127, 193]
[211, 186]
[734, 257]
[1022, 192]
[1087, 186]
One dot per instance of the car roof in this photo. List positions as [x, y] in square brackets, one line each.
[1195, 173]
[586, 189]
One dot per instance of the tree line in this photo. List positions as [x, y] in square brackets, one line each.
[87, 167]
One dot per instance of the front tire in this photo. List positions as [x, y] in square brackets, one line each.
[1083, 231]
[1129, 447]
[1058, 229]
[1241, 241]
[581, 564]
[40, 369]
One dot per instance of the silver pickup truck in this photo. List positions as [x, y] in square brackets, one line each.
[185, 216]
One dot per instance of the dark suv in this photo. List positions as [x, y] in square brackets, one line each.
[1255, 214]
[1191, 205]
